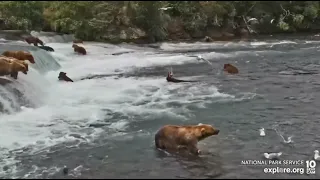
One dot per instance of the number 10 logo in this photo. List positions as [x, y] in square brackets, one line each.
[311, 167]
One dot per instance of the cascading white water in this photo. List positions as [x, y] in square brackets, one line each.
[44, 60]
[25, 91]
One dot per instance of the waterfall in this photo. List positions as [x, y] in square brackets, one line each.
[44, 60]
[51, 37]
[28, 90]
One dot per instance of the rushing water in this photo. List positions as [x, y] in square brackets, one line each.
[103, 124]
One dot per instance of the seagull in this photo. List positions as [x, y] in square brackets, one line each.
[262, 133]
[199, 57]
[316, 155]
[252, 19]
[272, 155]
[165, 8]
[284, 140]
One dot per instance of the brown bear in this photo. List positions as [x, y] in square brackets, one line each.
[79, 49]
[11, 67]
[63, 77]
[230, 69]
[175, 138]
[33, 40]
[77, 41]
[17, 60]
[207, 39]
[20, 55]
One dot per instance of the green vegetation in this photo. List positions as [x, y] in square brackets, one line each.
[129, 20]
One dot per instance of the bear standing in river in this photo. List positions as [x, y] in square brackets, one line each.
[229, 68]
[63, 77]
[174, 138]
[79, 49]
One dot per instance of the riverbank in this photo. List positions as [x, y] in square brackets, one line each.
[13, 35]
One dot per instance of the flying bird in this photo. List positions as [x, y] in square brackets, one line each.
[165, 8]
[199, 57]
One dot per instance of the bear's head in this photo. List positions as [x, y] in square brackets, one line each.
[29, 57]
[63, 77]
[77, 41]
[226, 66]
[75, 46]
[16, 67]
[25, 64]
[62, 74]
[205, 130]
[230, 68]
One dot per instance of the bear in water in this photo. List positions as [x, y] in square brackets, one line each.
[33, 40]
[11, 67]
[230, 69]
[207, 39]
[63, 77]
[170, 78]
[175, 138]
[79, 49]
[20, 55]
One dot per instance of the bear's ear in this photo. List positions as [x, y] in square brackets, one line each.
[203, 130]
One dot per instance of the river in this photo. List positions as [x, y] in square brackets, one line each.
[103, 124]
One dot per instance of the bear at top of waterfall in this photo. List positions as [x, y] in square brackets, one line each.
[11, 67]
[20, 55]
[34, 41]
[174, 138]
[10, 59]
[229, 68]
[79, 49]
[77, 41]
